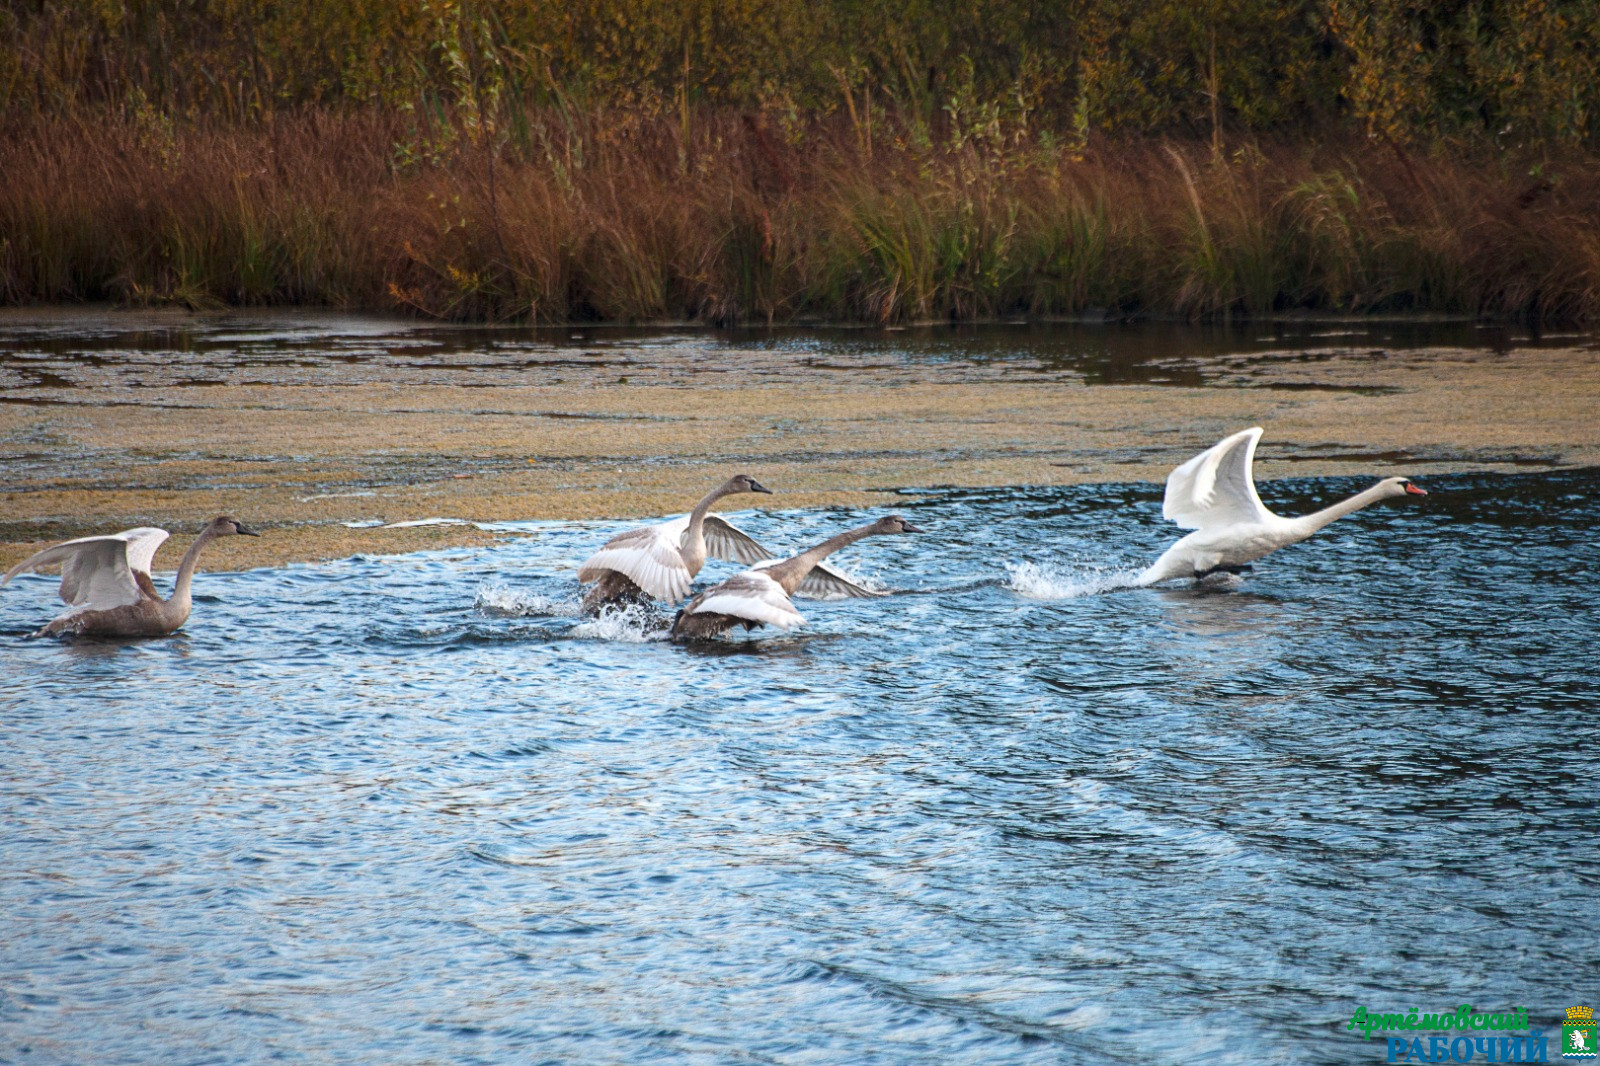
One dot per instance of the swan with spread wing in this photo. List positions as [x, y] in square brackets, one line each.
[1214, 494]
[760, 595]
[660, 561]
[105, 581]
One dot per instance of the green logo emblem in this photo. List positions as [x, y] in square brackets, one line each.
[1577, 1036]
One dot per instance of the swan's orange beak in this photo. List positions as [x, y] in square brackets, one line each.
[1414, 491]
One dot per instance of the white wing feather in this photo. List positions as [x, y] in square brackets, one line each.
[142, 545]
[1216, 487]
[674, 529]
[647, 556]
[97, 572]
[751, 595]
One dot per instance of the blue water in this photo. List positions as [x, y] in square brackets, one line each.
[414, 809]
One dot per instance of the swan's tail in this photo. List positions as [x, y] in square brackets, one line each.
[1177, 561]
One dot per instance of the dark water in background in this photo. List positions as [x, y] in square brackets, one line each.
[411, 809]
[129, 351]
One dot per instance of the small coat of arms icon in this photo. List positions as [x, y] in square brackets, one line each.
[1578, 1034]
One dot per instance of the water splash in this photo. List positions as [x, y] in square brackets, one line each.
[1065, 581]
[518, 603]
[629, 624]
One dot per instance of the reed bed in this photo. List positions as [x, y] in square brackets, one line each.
[734, 216]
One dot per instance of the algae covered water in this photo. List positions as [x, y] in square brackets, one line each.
[415, 809]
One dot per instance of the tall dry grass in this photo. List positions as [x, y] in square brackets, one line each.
[724, 216]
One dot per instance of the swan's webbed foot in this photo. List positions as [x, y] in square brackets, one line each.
[1201, 575]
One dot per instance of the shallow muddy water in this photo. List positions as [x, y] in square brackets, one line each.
[414, 809]
[129, 351]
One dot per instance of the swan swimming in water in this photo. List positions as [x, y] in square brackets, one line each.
[1214, 494]
[760, 596]
[106, 581]
[660, 561]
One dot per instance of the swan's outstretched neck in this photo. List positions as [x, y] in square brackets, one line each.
[180, 601]
[1308, 524]
[693, 548]
[791, 572]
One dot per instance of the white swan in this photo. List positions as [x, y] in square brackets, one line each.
[1214, 494]
[106, 581]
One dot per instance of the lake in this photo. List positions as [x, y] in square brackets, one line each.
[414, 808]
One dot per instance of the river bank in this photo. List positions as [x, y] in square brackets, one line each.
[326, 431]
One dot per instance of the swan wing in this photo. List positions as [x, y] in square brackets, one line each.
[97, 573]
[826, 583]
[752, 596]
[675, 530]
[647, 556]
[1216, 487]
[142, 545]
[724, 540]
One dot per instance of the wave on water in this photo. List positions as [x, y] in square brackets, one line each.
[631, 624]
[1053, 581]
[519, 603]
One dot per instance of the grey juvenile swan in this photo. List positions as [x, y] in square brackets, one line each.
[661, 560]
[106, 581]
[760, 596]
[1214, 494]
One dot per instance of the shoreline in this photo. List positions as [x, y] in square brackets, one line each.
[28, 314]
[336, 419]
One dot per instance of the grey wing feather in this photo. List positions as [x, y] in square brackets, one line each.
[752, 596]
[826, 583]
[724, 540]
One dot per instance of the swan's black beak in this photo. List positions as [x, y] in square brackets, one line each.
[1414, 490]
[907, 527]
[246, 531]
[756, 486]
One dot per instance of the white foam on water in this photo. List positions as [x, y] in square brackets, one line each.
[1052, 581]
[630, 624]
[336, 496]
[429, 522]
[519, 603]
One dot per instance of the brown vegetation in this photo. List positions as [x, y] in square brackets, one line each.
[728, 216]
[729, 160]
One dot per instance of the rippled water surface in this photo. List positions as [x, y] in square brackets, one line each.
[414, 809]
[81, 356]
